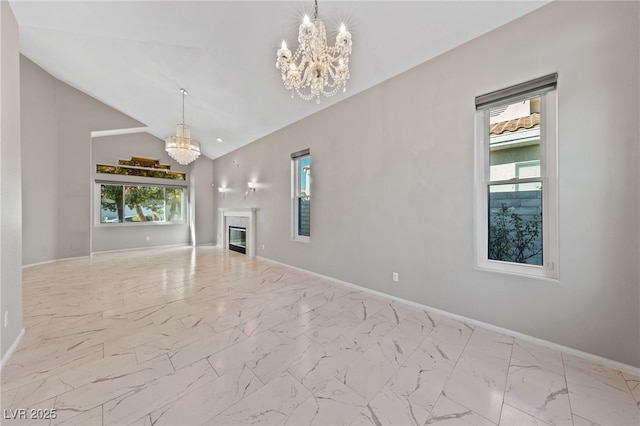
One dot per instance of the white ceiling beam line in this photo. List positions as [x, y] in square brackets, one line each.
[116, 132]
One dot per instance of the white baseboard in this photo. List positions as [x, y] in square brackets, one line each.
[54, 261]
[106, 251]
[143, 248]
[11, 350]
[109, 251]
[570, 351]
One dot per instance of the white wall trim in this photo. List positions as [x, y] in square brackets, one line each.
[616, 365]
[143, 248]
[116, 132]
[54, 261]
[12, 349]
[109, 251]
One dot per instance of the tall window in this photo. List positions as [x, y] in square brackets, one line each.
[139, 204]
[516, 179]
[301, 195]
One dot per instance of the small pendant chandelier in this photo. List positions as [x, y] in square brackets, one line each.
[315, 68]
[181, 147]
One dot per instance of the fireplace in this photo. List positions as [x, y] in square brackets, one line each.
[238, 239]
[244, 218]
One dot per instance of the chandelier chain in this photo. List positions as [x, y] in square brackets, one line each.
[184, 92]
[315, 13]
[182, 147]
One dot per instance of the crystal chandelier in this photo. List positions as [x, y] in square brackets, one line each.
[181, 147]
[315, 68]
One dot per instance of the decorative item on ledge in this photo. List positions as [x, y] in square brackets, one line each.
[143, 167]
[315, 66]
[144, 162]
[181, 147]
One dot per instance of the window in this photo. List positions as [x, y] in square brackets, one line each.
[516, 179]
[142, 167]
[120, 203]
[301, 195]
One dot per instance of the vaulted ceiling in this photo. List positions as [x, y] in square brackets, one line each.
[136, 55]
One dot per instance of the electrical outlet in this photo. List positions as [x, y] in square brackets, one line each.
[263, 247]
[147, 238]
[394, 277]
[6, 318]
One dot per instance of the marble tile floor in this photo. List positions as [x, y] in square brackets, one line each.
[202, 336]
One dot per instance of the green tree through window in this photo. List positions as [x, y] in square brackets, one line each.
[132, 203]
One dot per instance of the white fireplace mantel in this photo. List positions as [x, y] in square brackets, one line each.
[223, 228]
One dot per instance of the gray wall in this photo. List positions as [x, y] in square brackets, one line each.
[57, 121]
[58, 158]
[110, 149]
[10, 191]
[393, 181]
[205, 214]
[40, 153]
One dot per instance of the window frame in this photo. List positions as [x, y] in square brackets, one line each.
[521, 165]
[123, 184]
[296, 158]
[548, 176]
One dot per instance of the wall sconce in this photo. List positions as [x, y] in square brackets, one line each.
[251, 186]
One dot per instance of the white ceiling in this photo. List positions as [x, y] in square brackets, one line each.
[136, 55]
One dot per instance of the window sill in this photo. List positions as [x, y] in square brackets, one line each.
[301, 239]
[527, 271]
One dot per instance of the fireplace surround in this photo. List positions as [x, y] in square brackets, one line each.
[237, 217]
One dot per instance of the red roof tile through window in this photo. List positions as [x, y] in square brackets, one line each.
[515, 125]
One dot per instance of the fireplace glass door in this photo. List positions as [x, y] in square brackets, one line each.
[238, 239]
